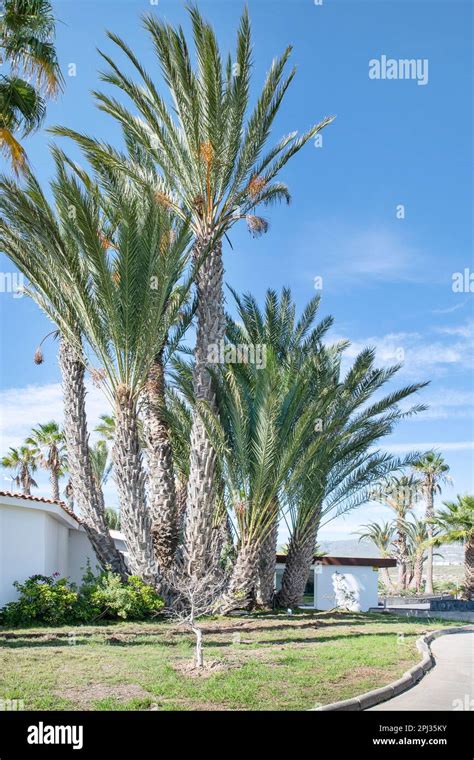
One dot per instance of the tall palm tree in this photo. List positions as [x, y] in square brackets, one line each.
[210, 150]
[27, 30]
[292, 340]
[433, 470]
[456, 525]
[24, 462]
[109, 250]
[400, 494]
[342, 475]
[29, 224]
[48, 440]
[381, 535]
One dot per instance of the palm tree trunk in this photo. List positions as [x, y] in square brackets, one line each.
[210, 332]
[241, 592]
[79, 464]
[161, 485]
[54, 481]
[429, 530]
[298, 563]
[402, 556]
[418, 574]
[130, 480]
[26, 483]
[386, 580]
[469, 568]
[267, 564]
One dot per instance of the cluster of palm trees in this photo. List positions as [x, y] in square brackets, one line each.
[411, 540]
[124, 255]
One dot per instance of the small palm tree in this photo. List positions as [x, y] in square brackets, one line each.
[417, 536]
[106, 427]
[381, 535]
[400, 494]
[48, 441]
[210, 148]
[433, 471]
[101, 466]
[456, 525]
[24, 462]
[27, 30]
[112, 518]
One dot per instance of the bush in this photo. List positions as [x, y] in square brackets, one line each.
[51, 600]
[133, 600]
[43, 599]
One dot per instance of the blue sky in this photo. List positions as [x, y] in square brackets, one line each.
[386, 280]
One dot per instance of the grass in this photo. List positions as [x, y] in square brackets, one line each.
[253, 663]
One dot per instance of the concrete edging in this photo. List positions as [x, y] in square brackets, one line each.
[408, 679]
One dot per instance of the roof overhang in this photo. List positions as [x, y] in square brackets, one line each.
[347, 561]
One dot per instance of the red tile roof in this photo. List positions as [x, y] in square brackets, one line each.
[42, 500]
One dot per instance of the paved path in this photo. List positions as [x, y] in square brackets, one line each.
[451, 679]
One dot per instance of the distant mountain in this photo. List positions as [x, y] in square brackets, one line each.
[450, 553]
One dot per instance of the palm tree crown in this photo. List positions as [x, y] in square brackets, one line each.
[27, 31]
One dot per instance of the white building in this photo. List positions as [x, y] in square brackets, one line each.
[39, 536]
[349, 582]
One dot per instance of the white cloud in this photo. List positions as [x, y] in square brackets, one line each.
[398, 448]
[376, 253]
[422, 358]
[23, 408]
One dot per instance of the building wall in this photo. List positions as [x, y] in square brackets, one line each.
[80, 550]
[361, 583]
[22, 547]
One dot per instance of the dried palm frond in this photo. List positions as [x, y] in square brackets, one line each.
[257, 225]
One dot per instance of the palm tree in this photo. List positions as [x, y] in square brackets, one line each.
[24, 462]
[261, 436]
[27, 30]
[342, 474]
[381, 535]
[101, 466]
[48, 441]
[416, 532]
[28, 224]
[112, 517]
[400, 494]
[433, 471]
[106, 427]
[209, 149]
[456, 525]
[292, 340]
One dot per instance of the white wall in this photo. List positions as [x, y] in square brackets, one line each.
[22, 547]
[362, 581]
[80, 550]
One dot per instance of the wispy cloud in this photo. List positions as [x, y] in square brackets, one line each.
[22, 408]
[398, 448]
[377, 253]
[421, 357]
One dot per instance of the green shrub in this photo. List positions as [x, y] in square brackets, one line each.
[132, 600]
[43, 599]
[51, 600]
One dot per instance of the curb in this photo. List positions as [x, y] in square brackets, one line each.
[408, 679]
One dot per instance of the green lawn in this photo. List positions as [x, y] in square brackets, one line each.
[253, 663]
